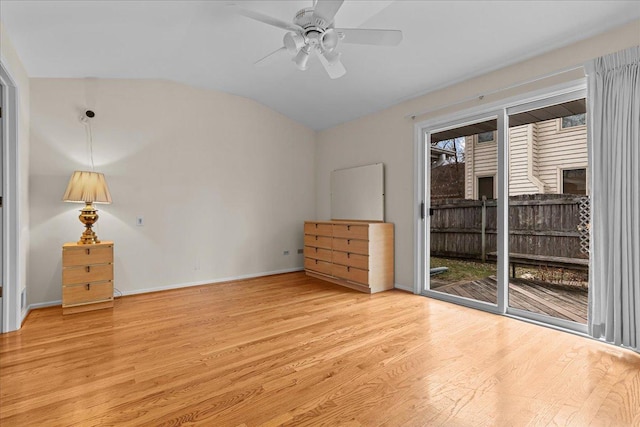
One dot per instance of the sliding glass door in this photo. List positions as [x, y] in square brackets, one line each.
[549, 210]
[462, 172]
[503, 209]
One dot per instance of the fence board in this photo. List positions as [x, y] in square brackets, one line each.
[539, 224]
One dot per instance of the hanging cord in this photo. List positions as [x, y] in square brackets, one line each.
[87, 128]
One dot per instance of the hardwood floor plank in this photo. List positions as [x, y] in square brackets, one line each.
[294, 350]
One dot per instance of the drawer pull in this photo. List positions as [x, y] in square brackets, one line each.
[348, 242]
[348, 228]
[88, 269]
[316, 237]
[348, 255]
[316, 262]
[348, 269]
[88, 251]
[88, 286]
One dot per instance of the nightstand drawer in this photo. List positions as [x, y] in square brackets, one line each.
[88, 293]
[87, 274]
[86, 255]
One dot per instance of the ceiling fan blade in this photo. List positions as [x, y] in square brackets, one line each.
[335, 69]
[368, 36]
[275, 55]
[266, 19]
[326, 10]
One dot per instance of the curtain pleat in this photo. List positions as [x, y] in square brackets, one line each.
[614, 155]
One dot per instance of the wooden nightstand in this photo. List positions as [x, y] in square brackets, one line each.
[87, 277]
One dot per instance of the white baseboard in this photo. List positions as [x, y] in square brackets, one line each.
[403, 287]
[42, 305]
[39, 305]
[210, 281]
[174, 286]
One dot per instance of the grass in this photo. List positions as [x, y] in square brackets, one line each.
[463, 270]
[460, 270]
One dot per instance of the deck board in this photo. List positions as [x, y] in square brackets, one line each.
[530, 295]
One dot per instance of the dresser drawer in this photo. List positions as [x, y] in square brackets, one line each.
[351, 245]
[350, 273]
[317, 265]
[317, 241]
[317, 253]
[89, 293]
[83, 255]
[87, 274]
[317, 228]
[350, 259]
[350, 231]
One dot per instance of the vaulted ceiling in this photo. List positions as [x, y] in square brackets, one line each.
[206, 44]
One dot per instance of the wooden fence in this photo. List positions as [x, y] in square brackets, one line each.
[539, 224]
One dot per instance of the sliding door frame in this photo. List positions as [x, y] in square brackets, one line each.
[425, 190]
[499, 110]
[577, 93]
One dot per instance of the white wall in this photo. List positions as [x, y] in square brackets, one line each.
[388, 136]
[11, 60]
[223, 183]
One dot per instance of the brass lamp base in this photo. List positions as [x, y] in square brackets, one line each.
[88, 216]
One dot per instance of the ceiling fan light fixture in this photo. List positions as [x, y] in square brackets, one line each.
[302, 58]
[293, 42]
[329, 40]
[312, 32]
[331, 57]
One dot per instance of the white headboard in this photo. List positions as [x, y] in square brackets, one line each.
[358, 193]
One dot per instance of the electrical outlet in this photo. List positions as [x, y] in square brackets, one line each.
[285, 253]
[300, 251]
[139, 221]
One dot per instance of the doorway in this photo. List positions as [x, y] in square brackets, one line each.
[459, 222]
[549, 210]
[503, 213]
[12, 302]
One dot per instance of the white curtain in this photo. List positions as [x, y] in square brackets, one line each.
[614, 154]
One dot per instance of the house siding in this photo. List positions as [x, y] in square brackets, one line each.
[520, 155]
[538, 153]
[560, 149]
[484, 162]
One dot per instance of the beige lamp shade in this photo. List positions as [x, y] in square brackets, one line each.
[87, 187]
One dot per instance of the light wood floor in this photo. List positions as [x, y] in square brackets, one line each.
[290, 350]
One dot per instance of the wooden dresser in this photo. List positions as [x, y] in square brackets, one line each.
[355, 254]
[87, 277]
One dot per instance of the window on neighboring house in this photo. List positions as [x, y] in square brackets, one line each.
[573, 121]
[485, 137]
[574, 181]
[485, 187]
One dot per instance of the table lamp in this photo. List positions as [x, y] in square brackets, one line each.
[89, 188]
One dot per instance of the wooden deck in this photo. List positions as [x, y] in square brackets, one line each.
[531, 295]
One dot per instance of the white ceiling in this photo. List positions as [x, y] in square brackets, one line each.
[203, 43]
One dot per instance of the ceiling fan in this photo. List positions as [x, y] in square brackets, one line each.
[313, 32]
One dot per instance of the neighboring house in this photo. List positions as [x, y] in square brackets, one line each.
[544, 157]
